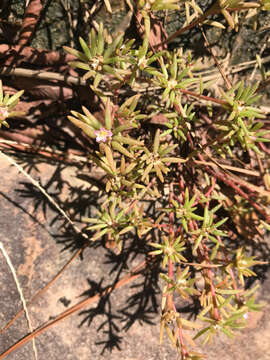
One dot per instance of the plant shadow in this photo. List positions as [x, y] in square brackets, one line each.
[140, 301]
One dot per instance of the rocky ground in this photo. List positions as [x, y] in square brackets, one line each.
[38, 248]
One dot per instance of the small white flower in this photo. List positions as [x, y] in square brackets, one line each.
[102, 135]
[95, 63]
[4, 111]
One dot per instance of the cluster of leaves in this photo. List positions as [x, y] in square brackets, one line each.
[240, 125]
[140, 166]
[7, 103]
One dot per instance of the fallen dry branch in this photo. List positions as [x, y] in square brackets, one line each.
[11, 55]
[42, 75]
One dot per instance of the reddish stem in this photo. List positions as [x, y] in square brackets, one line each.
[264, 148]
[247, 196]
[212, 287]
[184, 352]
[209, 192]
[170, 304]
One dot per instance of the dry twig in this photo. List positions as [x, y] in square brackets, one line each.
[5, 254]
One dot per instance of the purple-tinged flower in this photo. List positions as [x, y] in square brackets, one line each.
[102, 135]
[3, 112]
